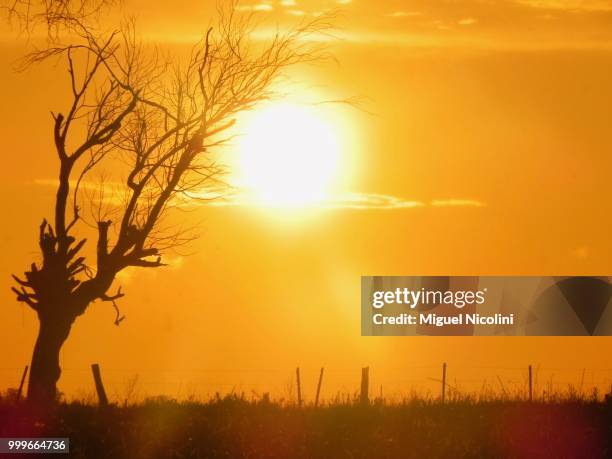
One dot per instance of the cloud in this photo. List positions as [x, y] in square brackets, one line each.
[369, 201]
[221, 197]
[456, 203]
[355, 201]
[256, 7]
[344, 2]
[102, 191]
[467, 21]
[404, 14]
[569, 5]
[288, 3]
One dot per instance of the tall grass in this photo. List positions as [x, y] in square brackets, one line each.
[484, 424]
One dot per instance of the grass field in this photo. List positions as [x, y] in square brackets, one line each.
[234, 427]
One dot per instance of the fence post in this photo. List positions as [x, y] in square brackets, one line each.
[102, 399]
[23, 377]
[299, 386]
[319, 388]
[443, 382]
[530, 385]
[365, 382]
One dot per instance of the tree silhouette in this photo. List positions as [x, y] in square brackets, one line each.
[53, 15]
[154, 122]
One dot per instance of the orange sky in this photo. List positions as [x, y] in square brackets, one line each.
[503, 103]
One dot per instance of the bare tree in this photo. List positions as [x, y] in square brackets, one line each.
[157, 124]
[52, 14]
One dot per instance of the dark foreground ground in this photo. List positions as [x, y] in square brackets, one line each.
[235, 428]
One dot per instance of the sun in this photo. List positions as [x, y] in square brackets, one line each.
[289, 155]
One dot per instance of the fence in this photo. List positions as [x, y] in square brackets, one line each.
[433, 381]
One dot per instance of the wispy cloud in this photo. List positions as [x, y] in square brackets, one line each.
[404, 14]
[85, 184]
[384, 201]
[569, 5]
[435, 41]
[236, 197]
[419, 39]
[467, 21]
[369, 201]
[356, 201]
[457, 203]
[256, 7]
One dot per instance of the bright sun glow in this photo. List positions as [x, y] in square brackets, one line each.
[288, 155]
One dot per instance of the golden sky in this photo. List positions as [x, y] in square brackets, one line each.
[491, 117]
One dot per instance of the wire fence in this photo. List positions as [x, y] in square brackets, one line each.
[390, 383]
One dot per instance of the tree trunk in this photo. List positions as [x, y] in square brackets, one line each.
[45, 369]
